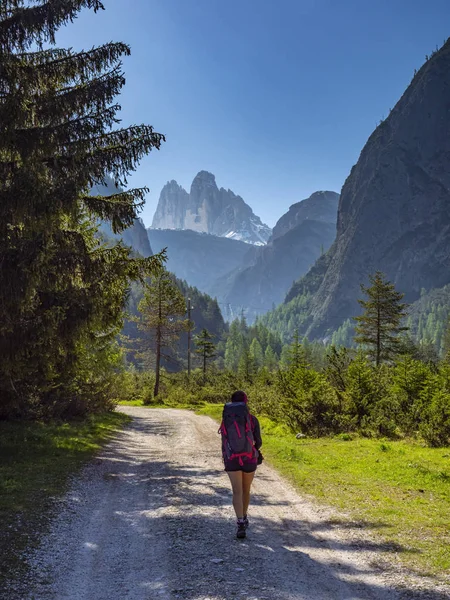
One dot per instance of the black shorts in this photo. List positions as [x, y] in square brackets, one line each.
[233, 465]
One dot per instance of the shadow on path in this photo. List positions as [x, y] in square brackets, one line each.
[157, 523]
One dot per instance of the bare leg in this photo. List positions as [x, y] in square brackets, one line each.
[236, 484]
[247, 479]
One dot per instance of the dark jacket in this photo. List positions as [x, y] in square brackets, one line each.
[256, 432]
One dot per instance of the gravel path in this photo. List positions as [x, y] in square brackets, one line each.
[151, 518]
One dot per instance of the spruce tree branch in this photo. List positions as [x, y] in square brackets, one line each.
[116, 153]
[119, 157]
[95, 58]
[16, 76]
[53, 108]
[38, 24]
[60, 136]
[115, 74]
[120, 209]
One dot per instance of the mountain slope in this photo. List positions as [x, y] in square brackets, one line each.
[394, 210]
[320, 206]
[264, 284]
[208, 209]
[300, 236]
[199, 258]
[135, 236]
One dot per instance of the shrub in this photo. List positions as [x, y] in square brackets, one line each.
[435, 426]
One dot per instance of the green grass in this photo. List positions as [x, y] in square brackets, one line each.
[135, 403]
[36, 460]
[400, 490]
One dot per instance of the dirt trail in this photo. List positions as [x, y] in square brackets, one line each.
[151, 518]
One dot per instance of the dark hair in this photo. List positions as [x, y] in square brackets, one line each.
[239, 396]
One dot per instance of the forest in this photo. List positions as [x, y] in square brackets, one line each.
[385, 384]
[85, 323]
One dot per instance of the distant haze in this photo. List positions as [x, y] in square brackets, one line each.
[275, 98]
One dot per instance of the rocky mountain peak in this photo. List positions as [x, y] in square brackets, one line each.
[172, 185]
[204, 178]
[208, 209]
[170, 210]
[320, 206]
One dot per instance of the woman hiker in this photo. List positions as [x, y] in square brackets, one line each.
[241, 441]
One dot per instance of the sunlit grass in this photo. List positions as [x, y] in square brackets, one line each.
[402, 487]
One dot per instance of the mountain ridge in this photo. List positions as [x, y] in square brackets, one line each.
[394, 210]
[208, 209]
[296, 242]
[199, 258]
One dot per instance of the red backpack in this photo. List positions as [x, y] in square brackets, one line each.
[237, 434]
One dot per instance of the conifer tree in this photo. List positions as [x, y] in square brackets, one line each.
[379, 325]
[247, 367]
[205, 348]
[338, 361]
[60, 290]
[360, 388]
[446, 341]
[270, 358]
[256, 353]
[234, 346]
[161, 320]
[294, 355]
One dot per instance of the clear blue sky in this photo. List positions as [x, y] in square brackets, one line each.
[275, 97]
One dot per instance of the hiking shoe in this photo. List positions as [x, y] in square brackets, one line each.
[240, 531]
[246, 523]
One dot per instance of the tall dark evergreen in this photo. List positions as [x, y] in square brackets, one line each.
[161, 320]
[379, 325]
[61, 292]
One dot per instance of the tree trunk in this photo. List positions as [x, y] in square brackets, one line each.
[378, 358]
[158, 363]
[158, 343]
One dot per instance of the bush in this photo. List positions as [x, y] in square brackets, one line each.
[178, 396]
[313, 408]
[435, 426]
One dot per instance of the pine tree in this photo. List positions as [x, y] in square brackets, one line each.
[446, 341]
[256, 353]
[343, 336]
[360, 388]
[234, 346]
[247, 367]
[61, 291]
[162, 310]
[338, 361]
[409, 378]
[379, 325]
[294, 355]
[270, 359]
[205, 348]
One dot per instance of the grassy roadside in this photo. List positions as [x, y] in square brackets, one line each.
[399, 490]
[36, 460]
